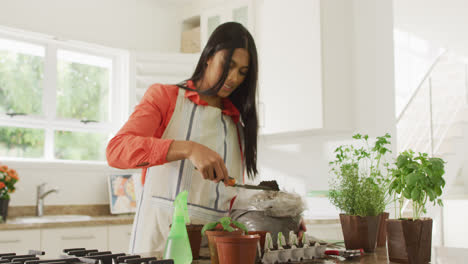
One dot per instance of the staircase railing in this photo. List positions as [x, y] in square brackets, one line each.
[424, 122]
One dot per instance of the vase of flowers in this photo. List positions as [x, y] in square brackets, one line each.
[8, 179]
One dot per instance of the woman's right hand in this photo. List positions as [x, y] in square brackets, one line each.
[208, 162]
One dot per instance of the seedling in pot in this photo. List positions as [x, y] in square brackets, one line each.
[224, 224]
[268, 243]
[281, 241]
[296, 253]
[292, 239]
[284, 253]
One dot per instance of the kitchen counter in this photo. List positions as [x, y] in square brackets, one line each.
[88, 215]
[379, 257]
[440, 255]
[15, 223]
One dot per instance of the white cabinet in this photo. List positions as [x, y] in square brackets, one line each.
[20, 241]
[54, 240]
[241, 11]
[290, 78]
[119, 238]
[115, 238]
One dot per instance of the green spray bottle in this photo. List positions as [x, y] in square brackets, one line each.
[178, 244]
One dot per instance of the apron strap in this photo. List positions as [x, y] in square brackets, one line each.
[242, 154]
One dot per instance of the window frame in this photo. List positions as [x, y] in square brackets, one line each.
[119, 92]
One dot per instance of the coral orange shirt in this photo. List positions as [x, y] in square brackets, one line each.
[139, 140]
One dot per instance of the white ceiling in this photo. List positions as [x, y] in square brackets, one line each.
[443, 22]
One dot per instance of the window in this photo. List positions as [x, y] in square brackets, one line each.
[59, 100]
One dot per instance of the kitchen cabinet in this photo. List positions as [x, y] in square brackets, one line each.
[238, 11]
[119, 238]
[56, 239]
[20, 240]
[290, 66]
[115, 238]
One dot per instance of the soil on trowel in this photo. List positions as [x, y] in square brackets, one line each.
[272, 184]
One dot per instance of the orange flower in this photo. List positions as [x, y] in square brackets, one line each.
[12, 173]
[4, 168]
[2, 185]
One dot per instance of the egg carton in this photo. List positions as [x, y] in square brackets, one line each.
[294, 254]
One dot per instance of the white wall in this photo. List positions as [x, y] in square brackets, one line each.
[77, 184]
[128, 24]
[440, 22]
[299, 161]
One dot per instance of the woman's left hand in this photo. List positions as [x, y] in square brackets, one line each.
[302, 229]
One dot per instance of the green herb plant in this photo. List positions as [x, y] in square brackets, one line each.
[419, 179]
[360, 178]
[224, 224]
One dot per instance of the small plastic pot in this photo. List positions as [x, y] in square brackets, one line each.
[262, 235]
[212, 242]
[194, 234]
[237, 249]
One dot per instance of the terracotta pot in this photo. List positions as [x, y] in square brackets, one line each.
[4, 209]
[262, 235]
[237, 249]
[382, 237]
[212, 243]
[409, 241]
[360, 232]
[194, 234]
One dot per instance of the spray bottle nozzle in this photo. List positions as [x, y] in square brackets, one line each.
[180, 205]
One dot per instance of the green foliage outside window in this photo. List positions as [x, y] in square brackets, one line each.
[82, 93]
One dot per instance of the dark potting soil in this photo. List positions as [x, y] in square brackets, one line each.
[271, 184]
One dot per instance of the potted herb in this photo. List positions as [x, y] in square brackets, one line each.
[419, 179]
[359, 189]
[224, 227]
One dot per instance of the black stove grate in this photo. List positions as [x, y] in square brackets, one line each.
[80, 256]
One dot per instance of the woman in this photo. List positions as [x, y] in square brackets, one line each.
[193, 136]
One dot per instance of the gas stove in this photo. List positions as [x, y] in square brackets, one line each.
[80, 256]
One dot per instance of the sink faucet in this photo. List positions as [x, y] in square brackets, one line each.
[41, 194]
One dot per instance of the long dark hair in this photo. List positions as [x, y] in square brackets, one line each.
[230, 36]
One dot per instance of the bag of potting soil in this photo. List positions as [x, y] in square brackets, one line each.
[272, 203]
[273, 211]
